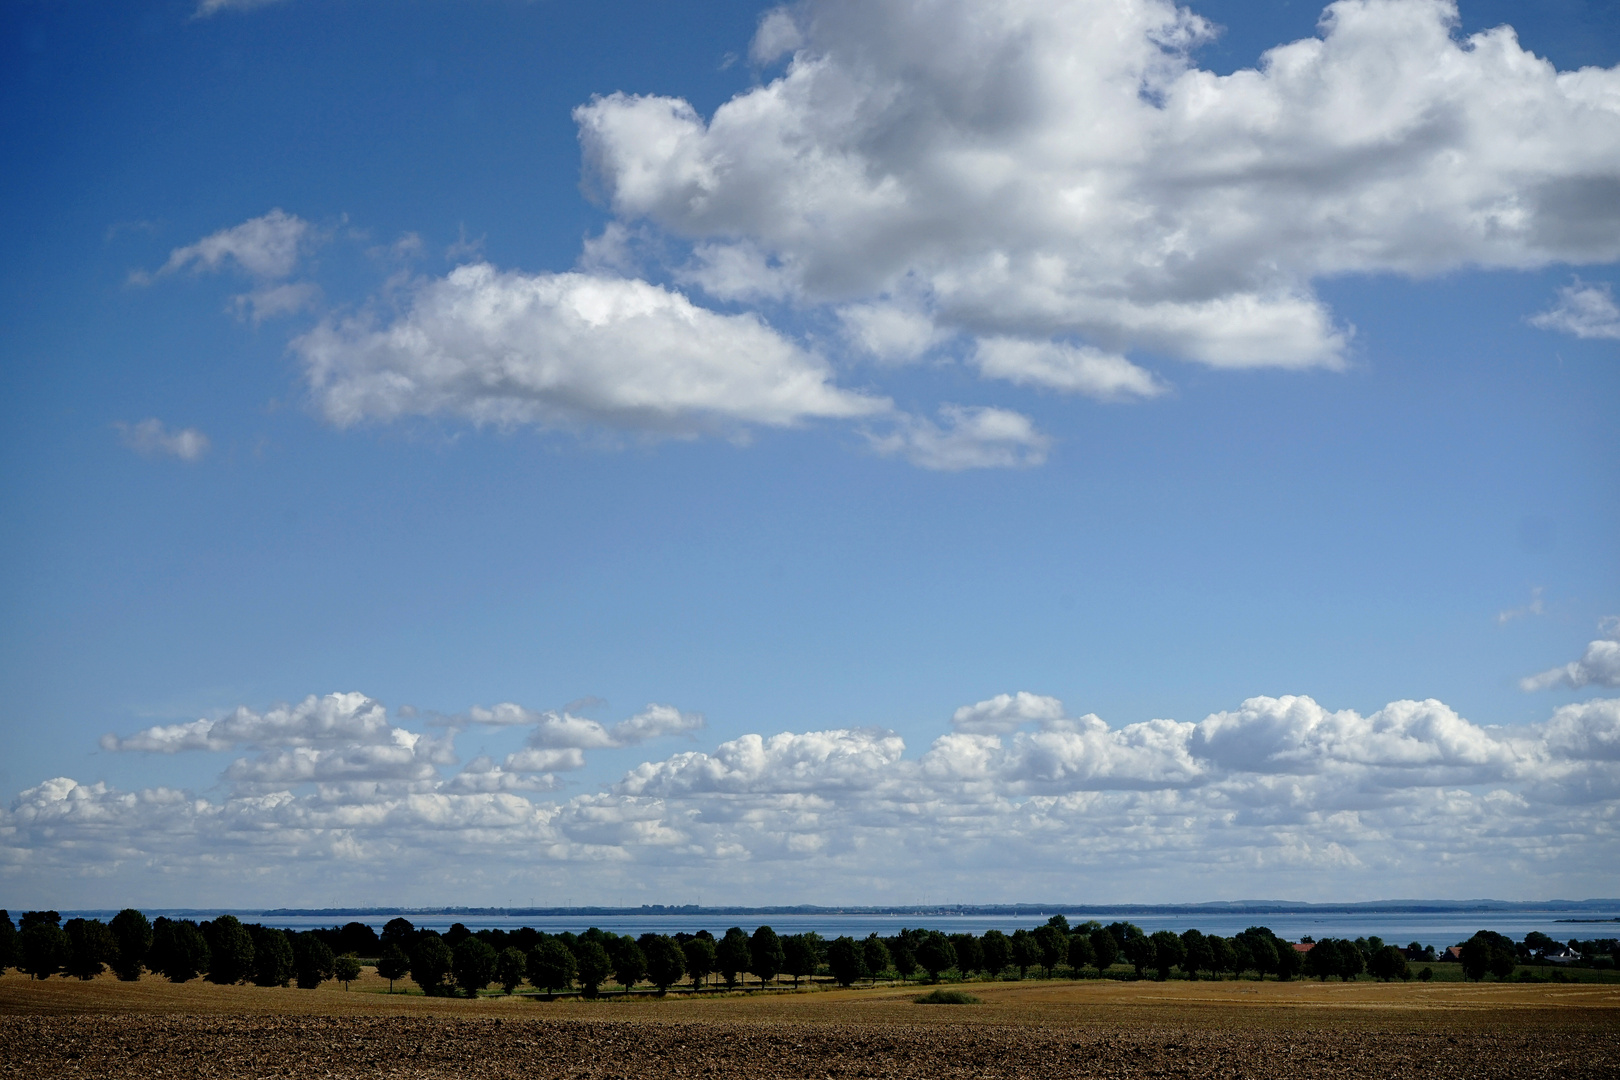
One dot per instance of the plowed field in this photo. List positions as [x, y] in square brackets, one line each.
[1039, 1031]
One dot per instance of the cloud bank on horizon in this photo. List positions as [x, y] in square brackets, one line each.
[1049, 194]
[334, 792]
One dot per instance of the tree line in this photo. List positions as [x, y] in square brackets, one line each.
[460, 961]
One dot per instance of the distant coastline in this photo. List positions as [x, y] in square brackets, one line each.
[1223, 907]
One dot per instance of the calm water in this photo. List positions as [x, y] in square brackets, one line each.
[1437, 929]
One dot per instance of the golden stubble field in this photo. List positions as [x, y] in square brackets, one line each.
[1036, 1029]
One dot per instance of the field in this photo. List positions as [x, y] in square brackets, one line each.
[1035, 1030]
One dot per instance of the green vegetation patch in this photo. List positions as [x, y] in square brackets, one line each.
[947, 997]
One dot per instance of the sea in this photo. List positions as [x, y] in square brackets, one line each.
[1436, 928]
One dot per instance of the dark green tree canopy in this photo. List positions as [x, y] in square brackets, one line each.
[700, 959]
[313, 962]
[936, 955]
[430, 963]
[90, 946]
[765, 956]
[132, 938]
[230, 950]
[392, 964]
[272, 956]
[594, 965]
[731, 955]
[846, 960]
[666, 961]
[473, 964]
[552, 966]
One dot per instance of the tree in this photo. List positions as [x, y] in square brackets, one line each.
[1221, 953]
[430, 964]
[666, 961]
[393, 964]
[629, 962]
[1104, 950]
[1388, 963]
[44, 950]
[1260, 950]
[700, 959]
[90, 946]
[346, 969]
[230, 950]
[969, 956]
[997, 952]
[1081, 954]
[902, 957]
[1535, 941]
[800, 955]
[594, 966]
[876, 955]
[1052, 945]
[1168, 952]
[1200, 956]
[179, 949]
[359, 939]
[313, 962]
[765, 956]
[552, 966]
[398, 932]
[731, 955]
[272, 956]
[473, 964]
[10, 948]
[1138, 952]
[1060, 924]
[510, 967]
[1026, 951]
[936, 954]
[132, 939]
[1488, 951]
[846, 960]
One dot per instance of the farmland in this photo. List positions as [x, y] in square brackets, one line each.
[1036, 1029]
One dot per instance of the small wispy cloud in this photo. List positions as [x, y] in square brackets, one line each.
[1534, 607]
[151, 438]
[1587, 311]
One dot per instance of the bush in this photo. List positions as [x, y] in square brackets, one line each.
[946, 997]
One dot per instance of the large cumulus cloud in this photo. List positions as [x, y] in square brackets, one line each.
[1024, 170]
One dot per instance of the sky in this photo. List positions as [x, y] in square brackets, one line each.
[881, 452]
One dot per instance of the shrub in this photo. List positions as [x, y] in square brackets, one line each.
[946, 997]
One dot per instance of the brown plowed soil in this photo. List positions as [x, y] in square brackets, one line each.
[1039, 1031]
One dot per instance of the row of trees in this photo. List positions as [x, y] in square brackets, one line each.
[222, 950]
[466, 962]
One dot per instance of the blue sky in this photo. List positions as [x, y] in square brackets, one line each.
[943, 458]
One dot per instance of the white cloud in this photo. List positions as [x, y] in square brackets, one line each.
[507, 348]
[777, 36]
[1536, 606]
[1006, 713]
[970, 437]
[1598, 666]
[1020, 798]
[335, 719]
[1034, 169]
[889, 331]
[1075, 369]
[265, 247]
[1587, 311]
[273, 301]
[152, 438]
[206, 8]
